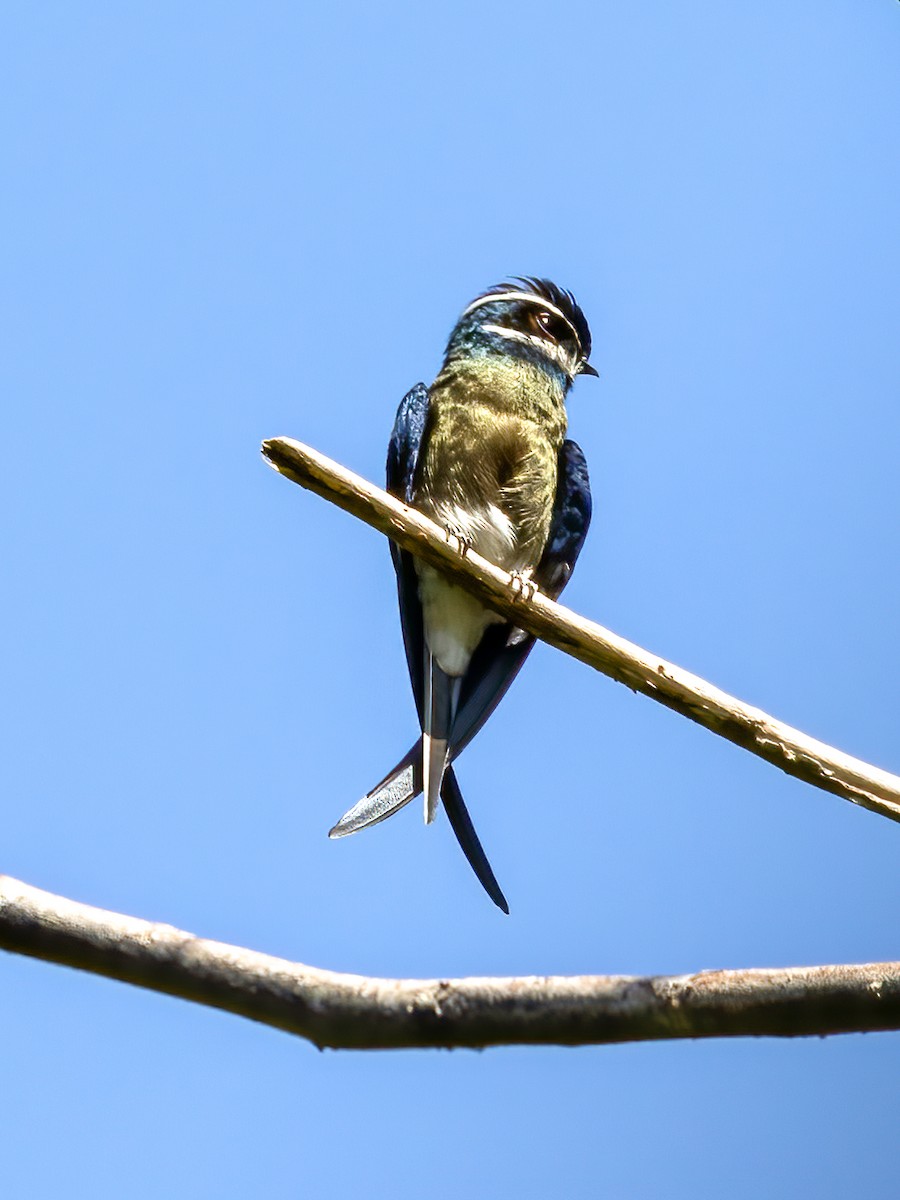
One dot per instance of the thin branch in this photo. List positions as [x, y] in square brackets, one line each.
[353, 1012]
[784, 747]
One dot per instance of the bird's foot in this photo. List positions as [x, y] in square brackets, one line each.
[522, 585]
[457, 538]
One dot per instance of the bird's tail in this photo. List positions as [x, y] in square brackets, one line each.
[402, 785]
[462, 826]
[441, 700]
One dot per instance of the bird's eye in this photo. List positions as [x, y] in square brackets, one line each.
[545, 324]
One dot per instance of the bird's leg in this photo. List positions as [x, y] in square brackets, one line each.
[522, 585]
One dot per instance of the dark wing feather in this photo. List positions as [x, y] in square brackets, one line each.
[404, 782]
[403, 458]
[401, 784]
[406, 443]
[571, 521]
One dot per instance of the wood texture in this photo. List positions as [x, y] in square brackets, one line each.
[785, 747]
[353, 1012]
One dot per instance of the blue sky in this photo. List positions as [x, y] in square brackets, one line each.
[226, 222]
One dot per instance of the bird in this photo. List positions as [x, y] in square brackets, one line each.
[483, 452]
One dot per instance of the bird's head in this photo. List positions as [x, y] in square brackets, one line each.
[526, 319]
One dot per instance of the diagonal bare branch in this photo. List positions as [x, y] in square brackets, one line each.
[787, 748]
[354, 1012]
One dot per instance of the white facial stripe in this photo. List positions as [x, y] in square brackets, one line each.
[529, 298]
[550, 349]
[516, 335]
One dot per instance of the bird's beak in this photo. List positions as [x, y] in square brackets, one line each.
[586, 369]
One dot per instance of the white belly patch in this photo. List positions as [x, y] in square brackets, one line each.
[454, 621]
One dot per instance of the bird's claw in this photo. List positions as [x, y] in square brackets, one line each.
[522, 586]
[458, 540]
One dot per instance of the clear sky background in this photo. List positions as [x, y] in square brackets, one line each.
[223, 222]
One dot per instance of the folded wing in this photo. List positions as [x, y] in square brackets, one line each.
[500, 654]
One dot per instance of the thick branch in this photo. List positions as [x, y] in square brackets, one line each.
[787, 748]
[353, 1012]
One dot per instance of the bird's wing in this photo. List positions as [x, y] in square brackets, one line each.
[402, 460]
[570, 522]
[404, 782]
[401, 784]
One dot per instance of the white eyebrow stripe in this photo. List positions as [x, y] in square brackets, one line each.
[550, 349]
[529, 298]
